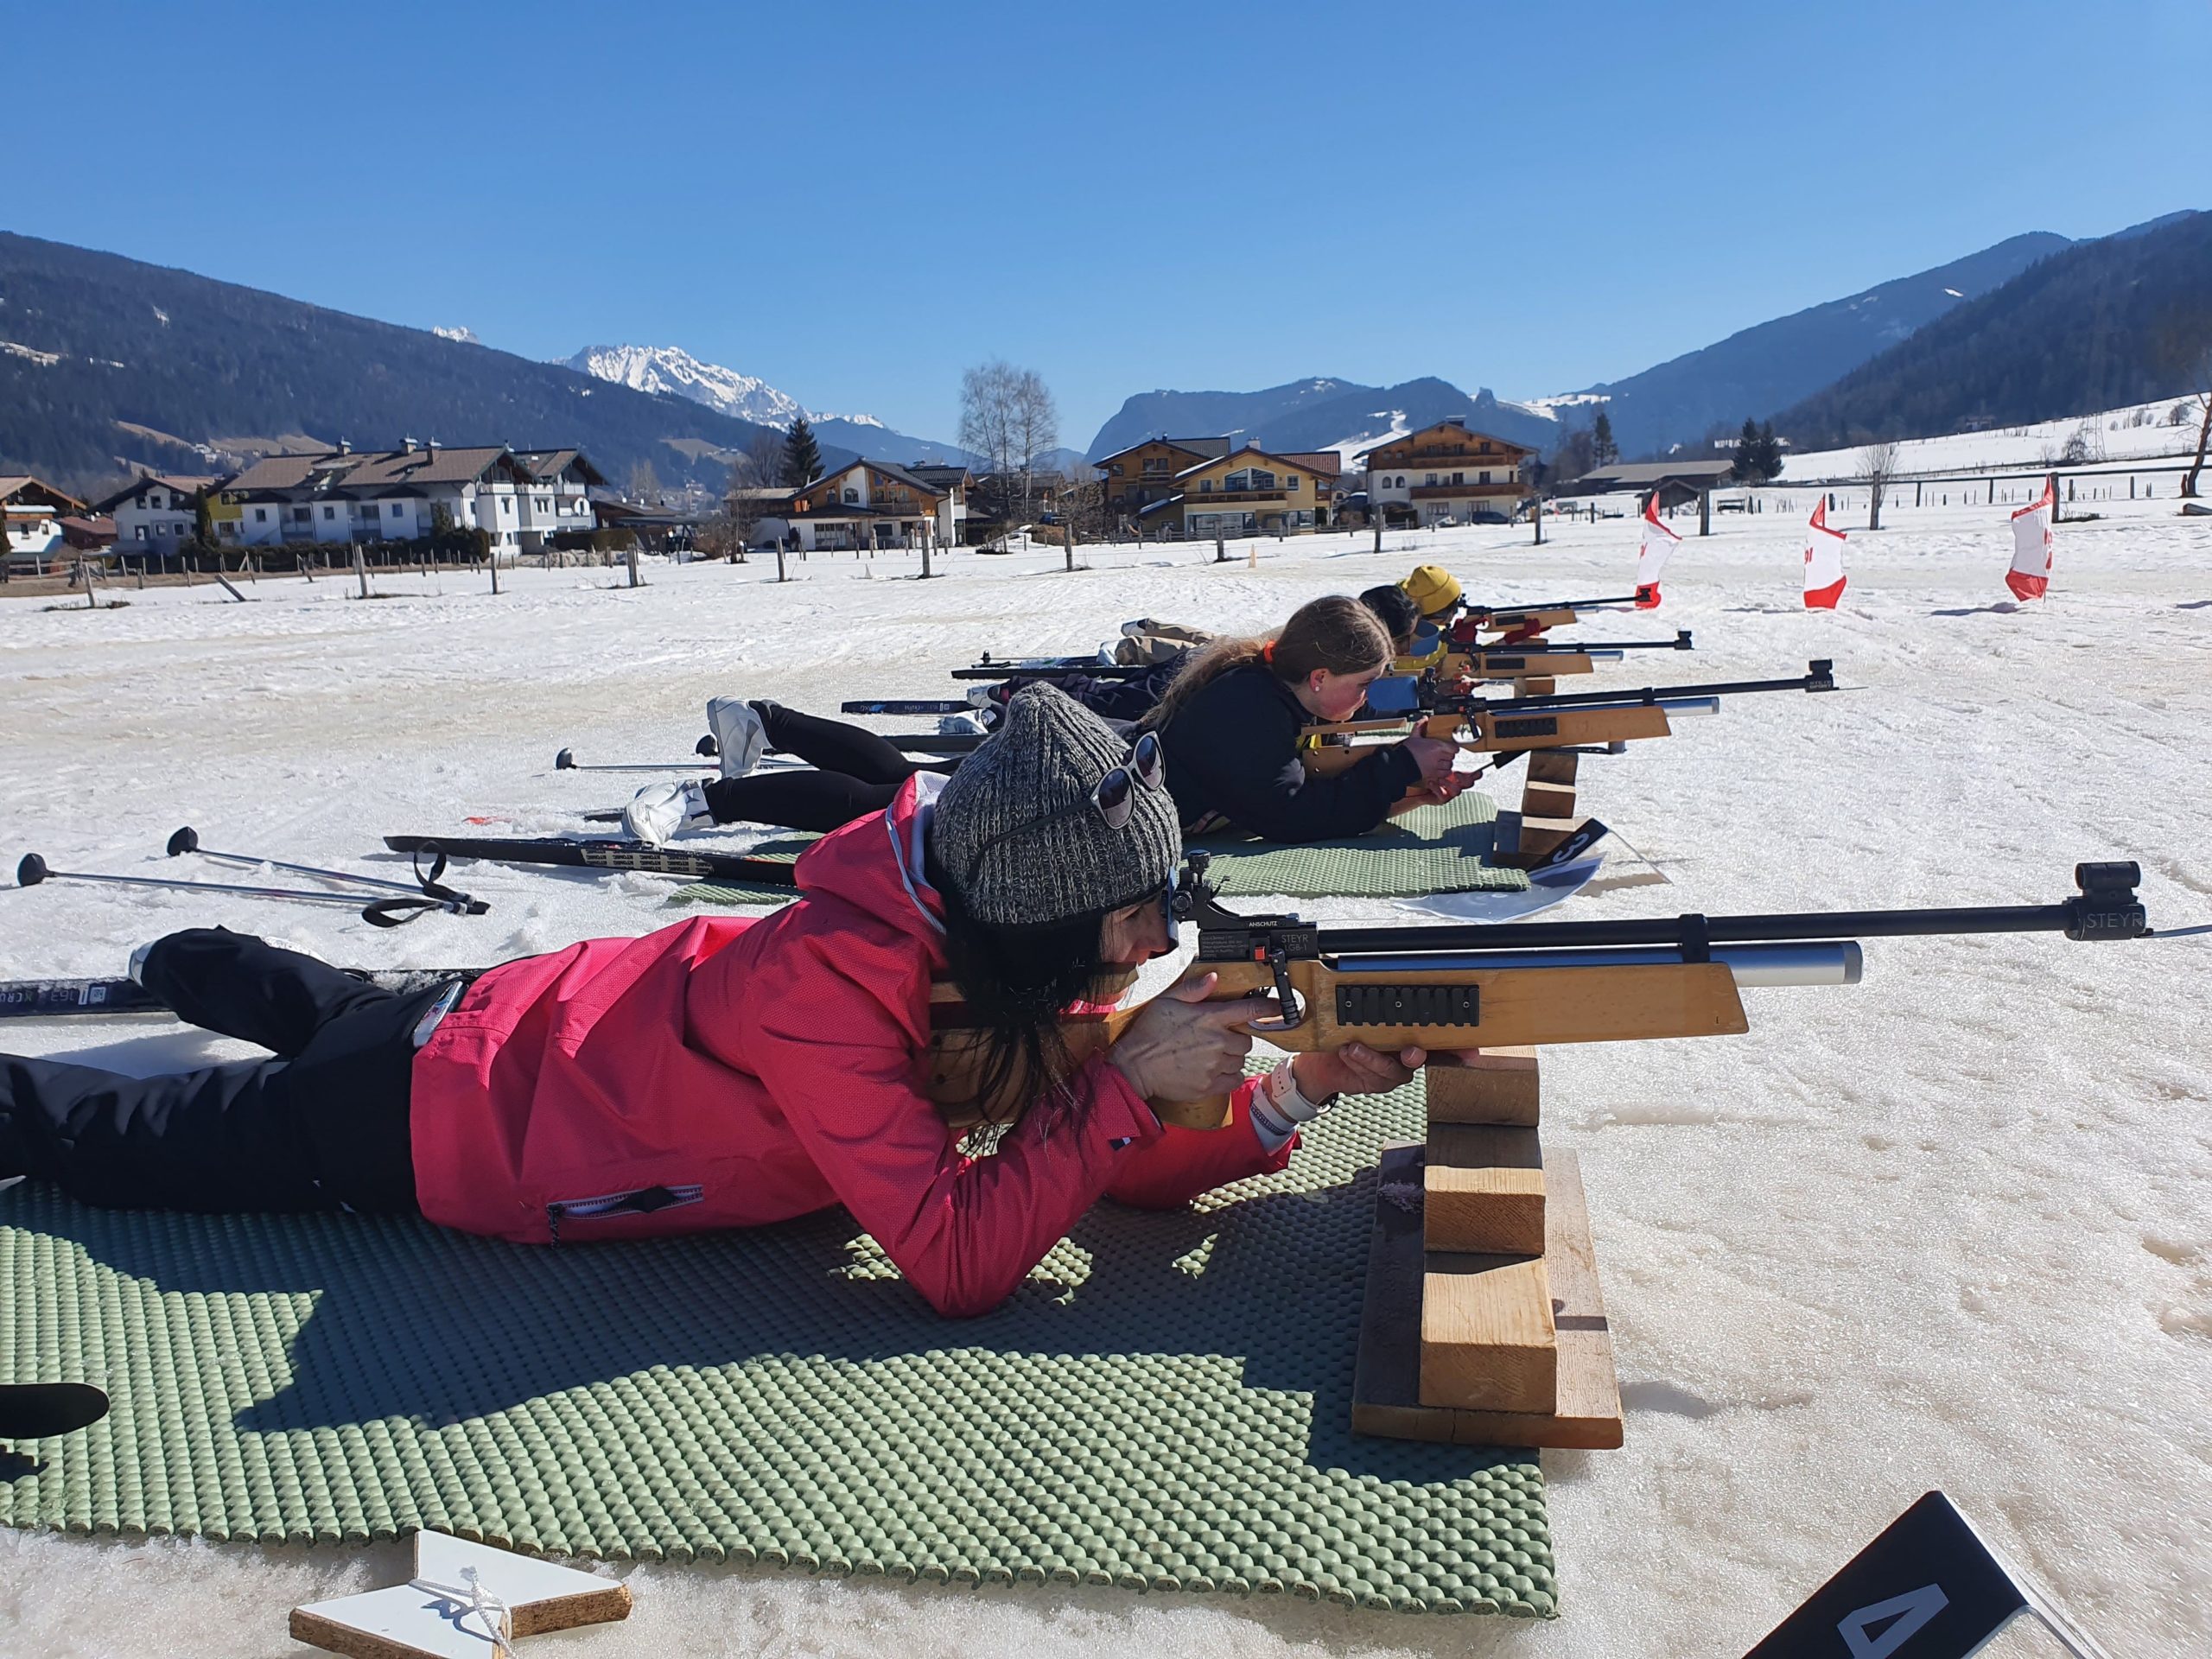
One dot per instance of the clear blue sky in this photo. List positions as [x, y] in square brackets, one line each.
[856, 201]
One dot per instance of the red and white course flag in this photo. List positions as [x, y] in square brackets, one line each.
[1824, 576]
[2030, 571]
[1651, 552]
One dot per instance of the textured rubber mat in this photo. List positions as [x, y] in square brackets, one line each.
[1164, 1405]
[1430, 850]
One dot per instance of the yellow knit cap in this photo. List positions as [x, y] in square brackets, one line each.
[1432, 588]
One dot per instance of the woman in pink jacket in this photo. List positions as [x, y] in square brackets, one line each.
[731, 1072]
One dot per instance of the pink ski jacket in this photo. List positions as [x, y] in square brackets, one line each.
[729, 1072]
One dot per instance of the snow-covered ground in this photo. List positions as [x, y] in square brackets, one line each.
[1950, 1228]
[2138, 432]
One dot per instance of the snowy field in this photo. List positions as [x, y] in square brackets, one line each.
[1950, 1228]
[2139, 432]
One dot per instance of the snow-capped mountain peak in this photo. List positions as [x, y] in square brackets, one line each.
[672, 370]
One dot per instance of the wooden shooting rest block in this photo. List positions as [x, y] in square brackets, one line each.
[1484, 1323]
[1548, 817]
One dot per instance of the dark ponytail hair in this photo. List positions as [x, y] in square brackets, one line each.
[1017, 981]
[1339, 634]
[1395, 609]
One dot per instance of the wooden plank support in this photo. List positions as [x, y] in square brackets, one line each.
[1385, 1384]
[1553, 765]
[1499, 1085]
[1487, 1343]
[1542, 800]
[1484, 1191]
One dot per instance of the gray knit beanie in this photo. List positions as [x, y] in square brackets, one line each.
[1016, 832]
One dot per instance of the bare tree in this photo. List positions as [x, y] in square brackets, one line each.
[754, 487]
[644, 485]
[1036, 429]
[1007, 417]
[2198, 407]
[2204, 440]
[1878, 465]
[721, 536]
[987, 409]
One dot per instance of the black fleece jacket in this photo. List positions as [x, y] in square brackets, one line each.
[1232, 749]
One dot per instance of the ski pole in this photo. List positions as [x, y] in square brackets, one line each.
[377, 912]
[566, 760]
[33, 870]
[187, 839]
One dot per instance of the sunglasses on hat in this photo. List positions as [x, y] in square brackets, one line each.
[1114, 798]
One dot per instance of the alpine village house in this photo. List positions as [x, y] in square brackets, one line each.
[1445, 471]
[1200, 488]
[520, 498]
[876, 504]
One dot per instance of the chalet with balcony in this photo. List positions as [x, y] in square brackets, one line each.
[31, 513]
[1443, 472]
[1250, 492]
[518, 500]
[869, 505]
[1143, 475]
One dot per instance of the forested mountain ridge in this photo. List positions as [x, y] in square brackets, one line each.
[106, 361]
[1773, 364]
[2123, 320]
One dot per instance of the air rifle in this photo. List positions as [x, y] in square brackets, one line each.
[1519, 983]
[1052, 668]
[1495, 662]
[1518, 622]
[1556, 719]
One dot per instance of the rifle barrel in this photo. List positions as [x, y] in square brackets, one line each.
[1057, 669]
[1477, 938]
[1819, 676]
[1505, 611]
[1826, 962]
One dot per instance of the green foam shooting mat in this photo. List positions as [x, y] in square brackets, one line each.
[1429, 850]
[1164, 1405]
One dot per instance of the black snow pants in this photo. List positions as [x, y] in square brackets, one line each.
[323, 1126]
[857, 773]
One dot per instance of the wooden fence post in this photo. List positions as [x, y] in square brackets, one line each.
[634, 583]
[361, 571]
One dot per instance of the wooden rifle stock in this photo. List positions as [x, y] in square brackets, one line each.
[1466, 1008]
[1481, 733]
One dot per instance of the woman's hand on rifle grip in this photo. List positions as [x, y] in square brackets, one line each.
[1434, 757]
[1182, 1047]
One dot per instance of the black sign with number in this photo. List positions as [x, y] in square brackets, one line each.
[1928, 1588]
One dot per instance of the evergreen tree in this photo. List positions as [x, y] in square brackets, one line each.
[1749, 454]
[1770, 452]
[1604, 452]
[802, 455]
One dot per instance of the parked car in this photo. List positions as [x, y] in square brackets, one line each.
[1488, 516]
